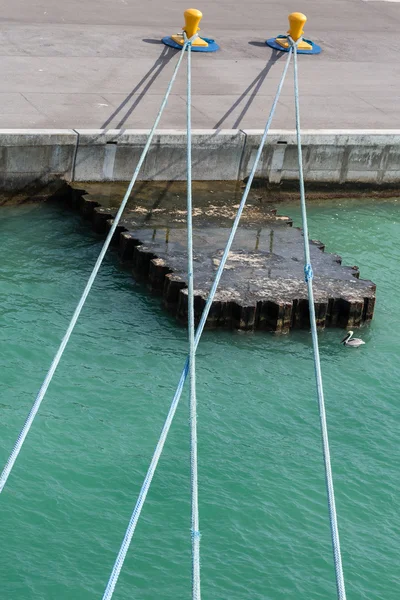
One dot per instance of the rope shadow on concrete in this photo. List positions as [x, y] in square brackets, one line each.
[150, 77]
[256, 84]
[40, 184]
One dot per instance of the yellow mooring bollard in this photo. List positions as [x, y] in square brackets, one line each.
[192, 18]
[296, 24]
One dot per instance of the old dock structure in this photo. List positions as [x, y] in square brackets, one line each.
[263, 284]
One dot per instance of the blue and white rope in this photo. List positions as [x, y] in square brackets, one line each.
[341, 592]
[175, 401]
[195, 531]
[36, 405]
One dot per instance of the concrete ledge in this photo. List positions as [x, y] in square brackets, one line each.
[329, 156]
[113, 156]
[37, 157]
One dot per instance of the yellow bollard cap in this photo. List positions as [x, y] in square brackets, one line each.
[296, 24]
[192, 19]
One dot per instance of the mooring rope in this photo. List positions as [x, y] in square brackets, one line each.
[174, 404]
[341, 592]
[36, 405]
[195, 527]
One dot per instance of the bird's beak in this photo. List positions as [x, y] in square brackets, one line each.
[345, 338]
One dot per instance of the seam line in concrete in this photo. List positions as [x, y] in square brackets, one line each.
[238, 177]
[33, 106]
[75, 155]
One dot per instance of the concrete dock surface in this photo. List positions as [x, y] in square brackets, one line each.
[100, 64]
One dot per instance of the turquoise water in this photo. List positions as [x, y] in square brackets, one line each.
[264, 522]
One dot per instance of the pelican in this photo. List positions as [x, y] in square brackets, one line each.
[354, 343]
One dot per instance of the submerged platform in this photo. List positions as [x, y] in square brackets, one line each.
[262, 287]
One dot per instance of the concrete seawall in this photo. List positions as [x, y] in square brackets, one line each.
[33, 158]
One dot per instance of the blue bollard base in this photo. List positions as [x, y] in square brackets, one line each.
[212, 45]
[272, 43]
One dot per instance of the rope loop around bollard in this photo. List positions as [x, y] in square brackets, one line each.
[272, 43]
[292, 42]
[189, 42]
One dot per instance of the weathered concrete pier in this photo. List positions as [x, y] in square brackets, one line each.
[86, 86]
[263, 284]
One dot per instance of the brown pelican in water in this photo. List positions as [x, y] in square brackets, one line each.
[348, 341]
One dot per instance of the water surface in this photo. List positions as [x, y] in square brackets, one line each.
[263, 513]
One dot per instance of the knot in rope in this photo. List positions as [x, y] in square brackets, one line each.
[308, 272]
